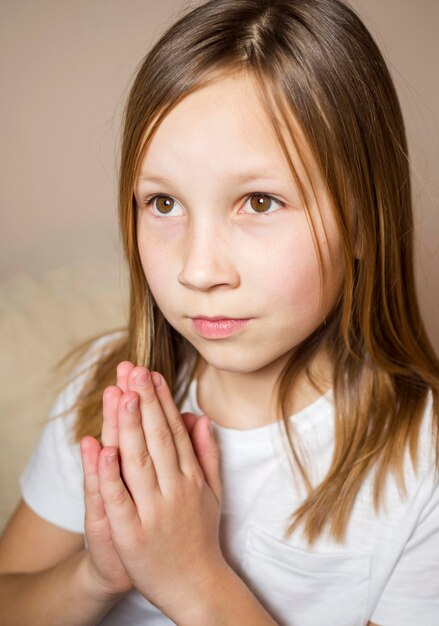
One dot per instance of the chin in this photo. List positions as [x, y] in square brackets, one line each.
[235, 359]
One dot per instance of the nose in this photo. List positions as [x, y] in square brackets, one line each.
[208, 259]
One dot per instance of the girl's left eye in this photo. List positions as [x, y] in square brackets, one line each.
[261, 203]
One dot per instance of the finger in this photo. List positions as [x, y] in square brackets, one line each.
[110, 404]
[122, 372]
[136, 463]
[119, 507]
[97, 525]
[158, 436]
[186, 455]
[94, 505]
[207, 451]
[189, 419]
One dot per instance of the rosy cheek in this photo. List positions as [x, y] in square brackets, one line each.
[296, 281]
[159, 268]
[156, 271]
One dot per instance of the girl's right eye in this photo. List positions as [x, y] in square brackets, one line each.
[163, 205]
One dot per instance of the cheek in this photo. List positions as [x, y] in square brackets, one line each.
[155, 263]
[291, 279]
[312, 290]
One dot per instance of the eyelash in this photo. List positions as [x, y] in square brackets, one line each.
[149, 201]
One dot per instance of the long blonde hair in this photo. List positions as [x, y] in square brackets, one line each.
[316, 63]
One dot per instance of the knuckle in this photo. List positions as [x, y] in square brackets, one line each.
[147, 398]
[162, 434]
[141, 460]
[178, 427]
[94, 527]
[91, 492]
[137, 371]
[91, 484]
[195, 477]
[199, 481]
[119, 497]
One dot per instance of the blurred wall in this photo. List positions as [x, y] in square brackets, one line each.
[65, 69]
[407, 33]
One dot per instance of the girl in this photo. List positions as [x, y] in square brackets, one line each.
[265, 209]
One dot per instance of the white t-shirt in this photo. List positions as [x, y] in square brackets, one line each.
[387, 571]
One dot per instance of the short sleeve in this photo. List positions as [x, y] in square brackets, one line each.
[411, 595]
[52, 481]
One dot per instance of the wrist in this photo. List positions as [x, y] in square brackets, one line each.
[92, 582]
[203, 599]
[226, 600]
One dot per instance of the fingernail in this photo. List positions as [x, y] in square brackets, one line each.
[110, 458]
[142, 379]
[156, 379]
[132, 405]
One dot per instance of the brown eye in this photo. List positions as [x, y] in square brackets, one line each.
[260, 203]
[164, 204]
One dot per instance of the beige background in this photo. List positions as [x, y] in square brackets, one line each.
[65, 70]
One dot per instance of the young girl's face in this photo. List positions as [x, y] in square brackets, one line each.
[210, 248]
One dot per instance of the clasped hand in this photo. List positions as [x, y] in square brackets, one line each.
[152, 495]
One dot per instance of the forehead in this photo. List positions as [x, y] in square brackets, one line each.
[224, 121]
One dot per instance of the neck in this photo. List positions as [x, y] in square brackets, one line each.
[244, 400]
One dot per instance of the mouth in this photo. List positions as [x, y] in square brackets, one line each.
[218, 327]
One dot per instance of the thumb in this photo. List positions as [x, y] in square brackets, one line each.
[207, 451]
[189, 420]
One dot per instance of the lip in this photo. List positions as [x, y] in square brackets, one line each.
[218, 327]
